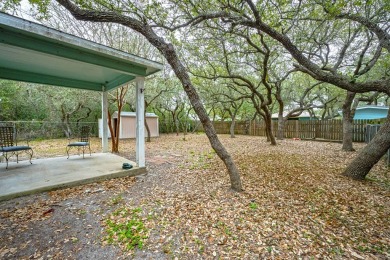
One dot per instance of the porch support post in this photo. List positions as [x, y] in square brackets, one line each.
[140, 132]
[104, 121]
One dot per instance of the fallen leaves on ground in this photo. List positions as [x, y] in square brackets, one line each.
[295, 204]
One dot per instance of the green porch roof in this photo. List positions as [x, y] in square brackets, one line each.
[35, 53]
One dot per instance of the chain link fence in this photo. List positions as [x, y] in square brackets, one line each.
[36, 130]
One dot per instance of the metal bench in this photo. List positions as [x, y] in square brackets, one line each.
[9, 146]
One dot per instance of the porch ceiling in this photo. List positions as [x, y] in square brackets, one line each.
[35, 53]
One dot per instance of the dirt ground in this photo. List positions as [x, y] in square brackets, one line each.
[295, 204]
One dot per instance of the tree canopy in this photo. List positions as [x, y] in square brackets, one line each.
[273, 56]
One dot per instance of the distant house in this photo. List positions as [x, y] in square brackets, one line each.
[127, 126]
[302, 117]
[371, 112]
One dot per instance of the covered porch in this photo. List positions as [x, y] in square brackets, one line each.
[31, 52]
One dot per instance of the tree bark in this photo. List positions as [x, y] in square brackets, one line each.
[232, 126]
[348, 122]
[170, 55]
[281, 122]
[111, 128]
[147, 129]
[177, 127]
[66, 126]
[371, 154]
[268, 126]
[66, 118]
[347, 133]
[146, 123]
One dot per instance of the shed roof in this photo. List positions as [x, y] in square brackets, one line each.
[373, 107]
[35, 53]
[132, 114]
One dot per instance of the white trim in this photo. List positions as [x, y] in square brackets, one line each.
[104, 122]
[132, 114]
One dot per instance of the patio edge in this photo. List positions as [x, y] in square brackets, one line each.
[123, 173]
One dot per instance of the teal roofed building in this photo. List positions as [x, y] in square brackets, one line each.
[371, 112]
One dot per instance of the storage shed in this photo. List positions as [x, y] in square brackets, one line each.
[127, 128]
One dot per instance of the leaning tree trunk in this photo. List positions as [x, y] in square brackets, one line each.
[347, 122]
[170, 55]
[371, 154]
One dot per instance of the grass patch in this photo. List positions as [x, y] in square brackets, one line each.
[126, 228]
[117, 199]
[253, 205]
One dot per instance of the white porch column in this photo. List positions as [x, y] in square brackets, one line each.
[104, 121]
[140, 132]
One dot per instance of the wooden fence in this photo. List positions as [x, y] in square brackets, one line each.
[310, 129]
[241, 127]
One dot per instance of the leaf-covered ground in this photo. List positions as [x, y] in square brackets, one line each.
[295, 205]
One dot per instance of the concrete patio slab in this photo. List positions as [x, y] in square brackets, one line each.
[48, 174]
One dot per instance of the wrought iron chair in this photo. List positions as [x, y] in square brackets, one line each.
[83, 142]
[9, 146]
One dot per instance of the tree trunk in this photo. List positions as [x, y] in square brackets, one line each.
[177, 127]
[347, 133]
[347, 122]
[171, 126]
[281, 122]
[268, 127]
[65, 118]
[66, 126]
[185, 128]
[232, 126]
[168, 125]
[112, 132]
[146, 123]
[267, 132]
[371, 154]
[147, 130]
[170, 55]
[115, 148]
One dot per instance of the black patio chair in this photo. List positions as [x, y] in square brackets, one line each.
[9, 145]
[83, 142]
